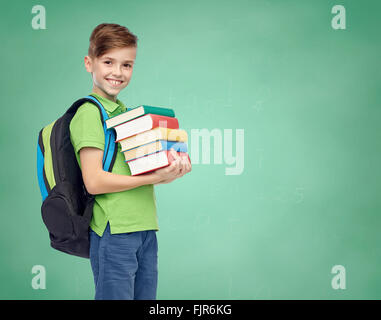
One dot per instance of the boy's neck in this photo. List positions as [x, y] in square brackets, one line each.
[104, 94]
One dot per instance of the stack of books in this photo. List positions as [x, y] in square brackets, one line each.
[146, 134]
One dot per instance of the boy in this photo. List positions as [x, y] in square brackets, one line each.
[123, 244]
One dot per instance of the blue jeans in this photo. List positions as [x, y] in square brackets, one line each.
[124, 265]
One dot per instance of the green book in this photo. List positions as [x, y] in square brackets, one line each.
[138, 112]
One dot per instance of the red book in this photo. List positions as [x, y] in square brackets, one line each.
[153, 161]
[144, 123]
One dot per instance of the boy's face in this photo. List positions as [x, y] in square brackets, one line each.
[112, 71]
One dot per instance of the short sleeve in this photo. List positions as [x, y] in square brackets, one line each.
[86, 129]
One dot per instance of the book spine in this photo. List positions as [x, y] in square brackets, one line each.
[178, 146]
[181, 154]
[164, 122]
[159, 111]
[176, 135]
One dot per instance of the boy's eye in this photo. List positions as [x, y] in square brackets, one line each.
[127, 65]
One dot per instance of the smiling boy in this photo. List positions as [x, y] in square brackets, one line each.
[108, 79]
[123, 244]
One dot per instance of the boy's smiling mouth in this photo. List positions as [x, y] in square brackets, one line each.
[113, 82]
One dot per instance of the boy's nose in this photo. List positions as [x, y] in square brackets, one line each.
[116, 71]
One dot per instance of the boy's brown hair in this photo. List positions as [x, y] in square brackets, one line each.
[107, 36]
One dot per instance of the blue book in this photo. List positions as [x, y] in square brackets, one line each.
[153, 147]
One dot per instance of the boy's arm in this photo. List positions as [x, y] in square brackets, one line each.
[98, 181]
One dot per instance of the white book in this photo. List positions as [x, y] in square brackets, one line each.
[148, 163]
[144, 123]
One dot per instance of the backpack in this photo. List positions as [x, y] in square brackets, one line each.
[67, 207]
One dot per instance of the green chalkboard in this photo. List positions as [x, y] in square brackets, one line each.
[282, 103]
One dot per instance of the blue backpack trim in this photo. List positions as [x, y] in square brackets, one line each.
[109, 138]
[40, 171]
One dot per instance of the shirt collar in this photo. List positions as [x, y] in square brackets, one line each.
[109, 105]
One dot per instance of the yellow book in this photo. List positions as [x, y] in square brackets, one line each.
[159, 133]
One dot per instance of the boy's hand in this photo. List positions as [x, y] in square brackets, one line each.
[176, 169]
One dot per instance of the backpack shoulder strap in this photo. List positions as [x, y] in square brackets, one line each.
[110, 151]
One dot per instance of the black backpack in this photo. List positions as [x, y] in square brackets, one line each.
[67, 207]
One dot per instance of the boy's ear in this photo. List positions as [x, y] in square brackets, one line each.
[88, 64]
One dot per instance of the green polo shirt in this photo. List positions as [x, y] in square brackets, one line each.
[126, 211]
